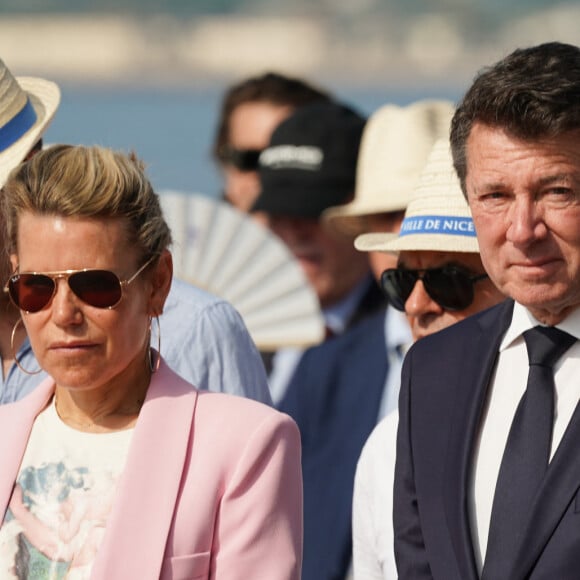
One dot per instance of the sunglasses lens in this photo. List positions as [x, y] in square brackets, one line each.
[397, 285]
[242, 159]
[31, 292]
[451, 288]
[98, 288]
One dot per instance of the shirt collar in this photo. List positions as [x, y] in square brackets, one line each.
[397, 332]
[522, 320]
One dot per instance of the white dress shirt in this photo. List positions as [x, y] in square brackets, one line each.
[506, 389]
[398, 339]
[372, 509]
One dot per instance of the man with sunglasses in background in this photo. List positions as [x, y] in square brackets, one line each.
[249, 113]
[488, 470]
[204, 338]
[439, 280]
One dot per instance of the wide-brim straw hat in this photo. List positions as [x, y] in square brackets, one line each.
[438, 216]
[27, 106]
[394, 149]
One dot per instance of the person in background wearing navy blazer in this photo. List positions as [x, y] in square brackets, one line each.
[515, 141]
[342, 387]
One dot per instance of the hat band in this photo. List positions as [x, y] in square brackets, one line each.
[17, 126]
[438, 224]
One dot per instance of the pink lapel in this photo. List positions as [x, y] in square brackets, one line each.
[16, 421]
[138, 526]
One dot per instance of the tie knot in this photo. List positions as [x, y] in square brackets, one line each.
[546, 344]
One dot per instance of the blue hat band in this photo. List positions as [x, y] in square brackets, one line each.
[438, 224]
[17, 126]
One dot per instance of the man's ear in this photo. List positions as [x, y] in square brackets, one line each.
[161, 278]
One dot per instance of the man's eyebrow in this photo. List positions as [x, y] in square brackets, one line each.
[487, 187]
[560, 177]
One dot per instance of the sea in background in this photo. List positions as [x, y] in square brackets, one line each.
[172, 130]
[149, 75]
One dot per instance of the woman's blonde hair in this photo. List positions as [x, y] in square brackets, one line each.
[77, 181]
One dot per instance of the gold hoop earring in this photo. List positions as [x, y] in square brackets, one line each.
[155, 359]
[13, 350]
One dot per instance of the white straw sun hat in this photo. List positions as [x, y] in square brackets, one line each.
[394, 148]
[27, 105]
[437, 218]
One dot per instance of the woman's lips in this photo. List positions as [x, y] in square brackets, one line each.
[72, 346]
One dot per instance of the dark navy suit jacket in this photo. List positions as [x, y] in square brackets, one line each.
[334, 397]
[444, 387]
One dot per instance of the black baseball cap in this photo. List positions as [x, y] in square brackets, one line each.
[310, 162]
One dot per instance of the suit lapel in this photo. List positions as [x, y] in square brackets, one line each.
[474, 375]
[16, 420]
[367, 350]
[560, 484]
[141, 517]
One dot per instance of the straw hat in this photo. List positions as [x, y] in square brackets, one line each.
[394, 148]
[437, 218]
[27, 106]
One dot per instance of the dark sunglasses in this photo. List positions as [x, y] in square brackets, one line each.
[33, 291]
[241, 159]
[450, 286]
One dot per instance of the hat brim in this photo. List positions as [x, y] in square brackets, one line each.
[391, 243]
[45, 97]
[347, 218]
[298, 201]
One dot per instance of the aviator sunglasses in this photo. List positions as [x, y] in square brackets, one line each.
[449, 286]
[33, 291]
[241, 159]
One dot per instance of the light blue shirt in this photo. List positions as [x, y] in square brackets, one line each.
[203, 338]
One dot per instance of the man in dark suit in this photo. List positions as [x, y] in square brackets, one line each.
[488, 470]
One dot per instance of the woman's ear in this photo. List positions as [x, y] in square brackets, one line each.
[161, 278]
[13, 261]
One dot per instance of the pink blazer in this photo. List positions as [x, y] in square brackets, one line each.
[212, 487]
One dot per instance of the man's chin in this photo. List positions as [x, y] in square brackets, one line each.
[547, 302]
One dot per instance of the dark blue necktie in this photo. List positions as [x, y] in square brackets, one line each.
[527, 451]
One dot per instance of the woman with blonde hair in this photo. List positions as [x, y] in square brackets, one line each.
[115, 467]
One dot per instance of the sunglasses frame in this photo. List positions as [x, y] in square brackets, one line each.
[65, 275]
[449, 269]
[244, 160]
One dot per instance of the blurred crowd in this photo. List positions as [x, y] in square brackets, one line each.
[437, 237]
